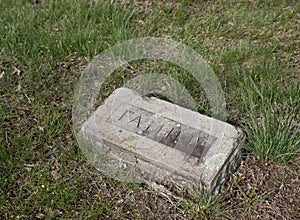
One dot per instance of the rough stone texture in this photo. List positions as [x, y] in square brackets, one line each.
[138, 138]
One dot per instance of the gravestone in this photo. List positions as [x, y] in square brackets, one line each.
[136, 138]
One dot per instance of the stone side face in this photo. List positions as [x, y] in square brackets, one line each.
[138, 138]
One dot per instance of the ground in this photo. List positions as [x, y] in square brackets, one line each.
[253, 47]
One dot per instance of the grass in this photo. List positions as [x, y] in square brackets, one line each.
[253, 48]
[273, 134]
[204, 206]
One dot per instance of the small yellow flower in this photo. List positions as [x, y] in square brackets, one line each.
[130, 147]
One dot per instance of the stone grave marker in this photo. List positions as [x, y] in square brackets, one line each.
[138, 138]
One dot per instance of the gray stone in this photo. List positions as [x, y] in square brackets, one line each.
[137, 138]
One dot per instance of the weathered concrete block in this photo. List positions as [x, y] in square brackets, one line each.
[138, 138]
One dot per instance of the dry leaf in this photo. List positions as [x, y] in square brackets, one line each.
[18, 87]
[2, 74]
[141, 22]
[55, 174]
[16, 70]
[29, 167]
[40, 215]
